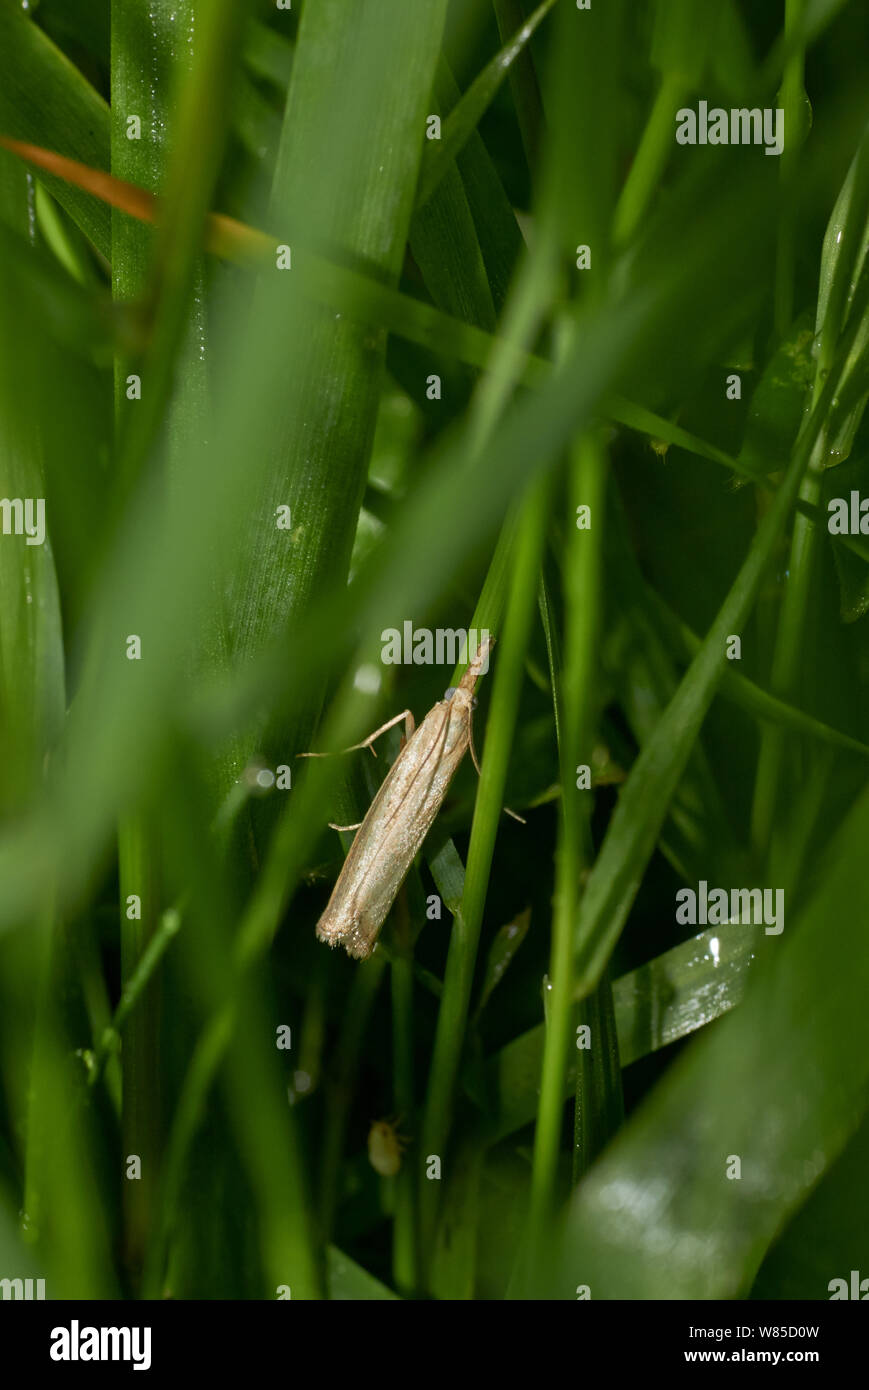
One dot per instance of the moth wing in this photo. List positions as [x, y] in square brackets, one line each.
[397, 822]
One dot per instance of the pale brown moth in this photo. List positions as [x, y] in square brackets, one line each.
[400, 816]
[385, 1147]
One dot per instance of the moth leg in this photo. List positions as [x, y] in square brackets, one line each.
[409, 727]
[332, 826]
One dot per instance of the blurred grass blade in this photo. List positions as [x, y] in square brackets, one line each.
[437, 533]
[645, 797]
[498, 231]
[646, 678]
[454, 1264]
[400, 313]
[280, 486]
[679, 53]
[527, 100]
[843, 255]
[59, 1204]
[269, 55]
[466, 115]
[507, 941]
[349, 1282]
[637, 417]
[746, 693]
[45, 100]
[79, 320]
[814, 18]
[837, 333]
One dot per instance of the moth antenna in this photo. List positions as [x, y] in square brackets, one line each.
[471, 744]
[520, 819]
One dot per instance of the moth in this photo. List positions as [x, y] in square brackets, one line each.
[400, 816]
[385, 1147]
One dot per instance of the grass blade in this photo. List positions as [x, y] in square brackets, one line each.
[716, 1230]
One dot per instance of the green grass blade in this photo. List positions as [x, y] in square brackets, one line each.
[464, 940]
[45, 99]
[582, 582]
[348, 1281]
[466, 114]
[660, 1002]
[808, 1095]
[747, 694]
[840, 260]
[655, 775]
[523, 77]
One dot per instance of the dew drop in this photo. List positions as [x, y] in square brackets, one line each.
[31, 208]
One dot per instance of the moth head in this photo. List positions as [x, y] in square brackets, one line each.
[450, 692]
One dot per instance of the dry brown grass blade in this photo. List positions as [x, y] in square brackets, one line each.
[224, 236]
